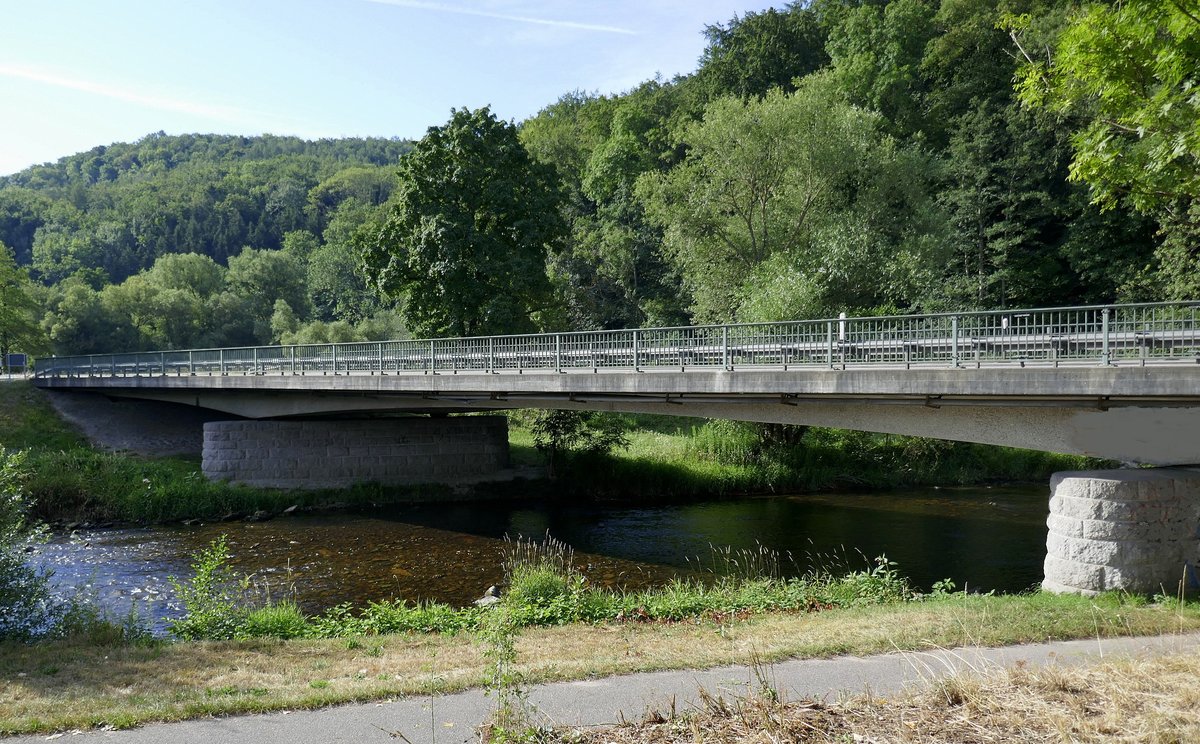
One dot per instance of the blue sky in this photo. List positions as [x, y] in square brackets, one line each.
[80, 73]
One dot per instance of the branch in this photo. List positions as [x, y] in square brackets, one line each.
[1185, 11]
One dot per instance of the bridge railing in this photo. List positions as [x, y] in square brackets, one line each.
[1112, 334]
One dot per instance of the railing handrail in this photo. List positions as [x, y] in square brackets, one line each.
[901, 325]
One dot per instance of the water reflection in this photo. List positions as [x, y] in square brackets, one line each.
[983, 538]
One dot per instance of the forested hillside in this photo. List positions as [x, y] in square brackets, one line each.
[838, 155]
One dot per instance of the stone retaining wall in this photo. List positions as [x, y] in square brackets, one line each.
[1135, 530]
[336, 454]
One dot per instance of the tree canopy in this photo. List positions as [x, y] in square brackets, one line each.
[464, 245]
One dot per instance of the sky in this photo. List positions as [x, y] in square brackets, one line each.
[79, 73]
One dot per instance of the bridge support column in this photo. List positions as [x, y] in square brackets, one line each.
[340, 453]
[1134, 530]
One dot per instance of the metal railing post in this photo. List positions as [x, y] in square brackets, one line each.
[381, 358]
[255, 361]
[954, 341]
[491, 364]
[635, 351]
[725, 348]
[293, 355]
[222, 361]
[333, 356]
[191, 363]
[432, 358]
[558, 353]
[829, 335]
[1105, 353]
[90, 365]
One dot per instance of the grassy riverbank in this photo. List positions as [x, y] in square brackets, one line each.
[84, 682]
[667, 458]
[673, 456]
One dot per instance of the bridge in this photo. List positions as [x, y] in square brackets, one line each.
[1119, 382]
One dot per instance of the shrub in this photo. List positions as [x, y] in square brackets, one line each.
[211, 599]
[26, 609]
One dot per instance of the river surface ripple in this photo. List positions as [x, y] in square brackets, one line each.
[983, 538]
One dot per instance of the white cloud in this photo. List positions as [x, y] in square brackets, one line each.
[442, 8]
[162, 103]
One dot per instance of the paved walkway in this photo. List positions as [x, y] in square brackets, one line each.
[453, 718]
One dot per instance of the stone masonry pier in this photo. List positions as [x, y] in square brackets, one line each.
[336, 454]
[1132, 530]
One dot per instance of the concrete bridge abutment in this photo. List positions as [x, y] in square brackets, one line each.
[1131, 530]
[315, 454]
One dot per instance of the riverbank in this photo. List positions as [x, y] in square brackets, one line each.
[73, 483]
[88, 682]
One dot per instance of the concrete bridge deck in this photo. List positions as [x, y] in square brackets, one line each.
[1120, 382]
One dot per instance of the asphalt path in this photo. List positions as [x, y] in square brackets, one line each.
[609, 700]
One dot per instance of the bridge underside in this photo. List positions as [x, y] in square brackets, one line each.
[1137, 530]
[1124, 414]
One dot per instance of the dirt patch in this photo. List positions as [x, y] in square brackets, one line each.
[141, 426]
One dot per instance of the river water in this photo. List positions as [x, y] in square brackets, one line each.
[983, 538]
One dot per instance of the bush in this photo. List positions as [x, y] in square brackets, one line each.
[211, 599]
[26, 609]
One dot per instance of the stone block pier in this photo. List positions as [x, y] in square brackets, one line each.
[1135, 530]
[339, 453]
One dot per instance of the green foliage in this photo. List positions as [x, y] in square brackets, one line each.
[791, 206]
[464, 245]
[19, 329]
[211, 599]
[760, 51]
[1130, 71]
[281, 620]
[25, 607]
[561, 435]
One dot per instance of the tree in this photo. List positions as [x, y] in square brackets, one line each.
[261, 278]
[561, 435]
[464, 246]
[19, 312]
[1128, 73]
[792, 204]
[1130, 70]
[760, 51]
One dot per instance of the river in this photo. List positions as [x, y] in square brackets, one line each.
[983, 538]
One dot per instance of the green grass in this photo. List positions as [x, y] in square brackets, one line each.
[689, 457]
[78, 683]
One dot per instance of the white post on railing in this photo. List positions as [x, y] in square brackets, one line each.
[381, 358]
[635, 351]
[1105, 353]
[191, 364]
[954, 341]
[432, 358]
[255, 361]
[725, 348]
[222, 361]
[293, 355]
[491, 367]
[112, 364]
[829, 338]
[558, 353]
[162, 363]
[333, 356]
[91, 364]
